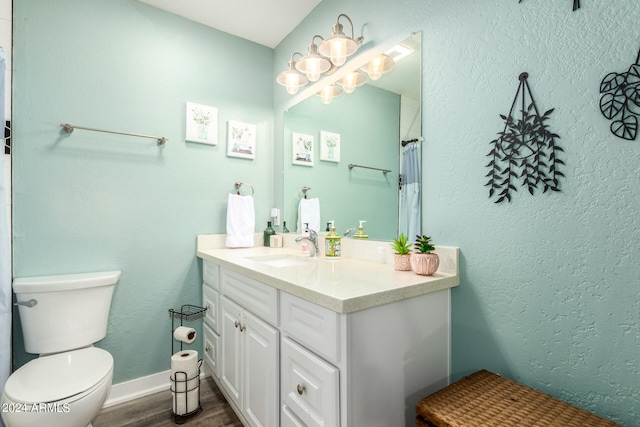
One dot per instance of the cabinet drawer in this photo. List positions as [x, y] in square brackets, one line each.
[211, 349]
[309, 386]
[210, 274]
[210, 300]
[260, 299]
[315, 327]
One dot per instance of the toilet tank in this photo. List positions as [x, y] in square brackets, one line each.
[71, 311]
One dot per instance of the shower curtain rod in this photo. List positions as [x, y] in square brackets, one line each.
[409, 141]
[69, 128]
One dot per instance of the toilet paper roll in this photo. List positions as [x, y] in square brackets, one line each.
[184, 403]
[184, 371]
[185, 334]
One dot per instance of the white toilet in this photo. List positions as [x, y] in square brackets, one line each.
[62, 317]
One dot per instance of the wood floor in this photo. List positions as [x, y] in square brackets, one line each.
[155, 410]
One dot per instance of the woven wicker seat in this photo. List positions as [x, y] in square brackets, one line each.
[486, 399]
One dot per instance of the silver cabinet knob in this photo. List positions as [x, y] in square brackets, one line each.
[300, 389]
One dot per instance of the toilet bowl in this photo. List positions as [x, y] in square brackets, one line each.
[61, 316]
[65, 389]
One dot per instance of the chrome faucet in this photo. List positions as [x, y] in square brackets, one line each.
[313, 238]
[348, 231]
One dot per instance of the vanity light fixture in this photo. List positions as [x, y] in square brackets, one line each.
[291, 78]
[324, 59]
[312, 64]
[352, 80]
[339, 46]
[379, 65]
[329, 92]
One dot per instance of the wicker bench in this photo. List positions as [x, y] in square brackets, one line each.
[487, 399]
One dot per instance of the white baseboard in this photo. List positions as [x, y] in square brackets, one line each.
[139, 387]
[143, 386]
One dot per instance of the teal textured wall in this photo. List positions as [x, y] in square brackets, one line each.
[368, 124]
[549, 291]
[90, 201]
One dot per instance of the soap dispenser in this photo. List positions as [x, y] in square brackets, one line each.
[268, 232]
[360, 233]
[332, 242]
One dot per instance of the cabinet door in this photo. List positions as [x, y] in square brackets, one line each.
[230, 354]
[261, 373]
[290, 420]
[309, 386]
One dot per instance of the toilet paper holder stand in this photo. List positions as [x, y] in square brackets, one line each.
[181, 386]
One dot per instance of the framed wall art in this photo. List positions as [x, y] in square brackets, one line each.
[302, 149]
[329, 146]
[241, 139]
[201, 124]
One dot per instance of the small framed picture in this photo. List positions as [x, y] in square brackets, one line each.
[329, 146]
[201, 124]
[241, 139]
[302, 149]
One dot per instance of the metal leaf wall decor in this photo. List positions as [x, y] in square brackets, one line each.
[576, 4]
[620, 101]
[525, 150]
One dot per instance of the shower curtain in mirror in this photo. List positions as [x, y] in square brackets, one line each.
[410, 217]
[5, 271]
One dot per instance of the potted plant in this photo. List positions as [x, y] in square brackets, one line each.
[423, 260]
[402, 249]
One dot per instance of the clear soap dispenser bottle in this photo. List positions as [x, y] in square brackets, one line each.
[332, 243]
[360, 233]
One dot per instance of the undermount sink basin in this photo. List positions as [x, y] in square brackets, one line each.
[282, 260]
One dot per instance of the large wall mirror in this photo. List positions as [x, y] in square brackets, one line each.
[368, 128]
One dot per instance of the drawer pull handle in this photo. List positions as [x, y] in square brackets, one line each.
[301, 389]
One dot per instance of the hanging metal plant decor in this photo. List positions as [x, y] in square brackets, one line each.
[621, 101]
[525, 150]
[576, 4]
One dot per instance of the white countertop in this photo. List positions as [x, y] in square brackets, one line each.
[344, 285]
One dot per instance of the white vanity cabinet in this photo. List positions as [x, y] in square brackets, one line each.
[247, 366]
[289, 357]
[366, 368]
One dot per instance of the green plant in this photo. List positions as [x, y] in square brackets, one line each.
[401, 245]
[201, 116]
[423, 244]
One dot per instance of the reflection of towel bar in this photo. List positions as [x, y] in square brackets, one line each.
[384, 171]
[69, 128]
[240, 184]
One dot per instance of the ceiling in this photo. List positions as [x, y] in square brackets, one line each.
[265, 22]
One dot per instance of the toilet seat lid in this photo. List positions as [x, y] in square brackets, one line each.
[59, 376]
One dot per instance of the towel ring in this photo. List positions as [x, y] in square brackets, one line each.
[240, 184]
[304, 190]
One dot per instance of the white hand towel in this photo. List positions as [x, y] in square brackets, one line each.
[241, 221]
[309, 213]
